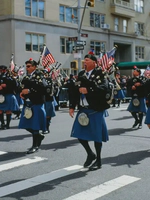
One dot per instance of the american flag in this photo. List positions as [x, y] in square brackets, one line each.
[107, 59]
[12, 65]
[47, 58]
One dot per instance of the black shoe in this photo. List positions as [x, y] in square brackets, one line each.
[3, 126]
[40, 138]
[32, 150]
[46, 132]
[140, 126]
[89, 159]
[96, 165]
[135, 124]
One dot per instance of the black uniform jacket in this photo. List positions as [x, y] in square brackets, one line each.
[37, 86]
[10, 82]
[97, 87]
[139, 91]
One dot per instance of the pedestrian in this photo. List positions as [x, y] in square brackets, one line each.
[33, 116]
[8, 101]
[137, 106]
[91, 91]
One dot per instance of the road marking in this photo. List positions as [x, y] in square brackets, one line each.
[22, 185]
[2, 152]
[19, 163]
[104, 189]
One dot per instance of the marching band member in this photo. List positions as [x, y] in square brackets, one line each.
[89, 125]
[137, 106]
[49, 101]
[147, 94]
[33, 116]
[8, 101]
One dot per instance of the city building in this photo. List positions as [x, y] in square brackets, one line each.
[25, 25]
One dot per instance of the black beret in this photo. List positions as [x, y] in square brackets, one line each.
[3, 67]
[32, 62]
[92, 57]
[137, 69]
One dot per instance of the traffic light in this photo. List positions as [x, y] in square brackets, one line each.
[74, 65]
[91, 3]
[82, 64]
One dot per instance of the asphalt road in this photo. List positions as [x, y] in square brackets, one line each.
[56, 172]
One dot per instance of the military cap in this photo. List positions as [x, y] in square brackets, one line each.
[3, 67]
[137, 69]
[32, 62]
[91, 56]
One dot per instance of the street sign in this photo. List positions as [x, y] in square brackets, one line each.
[81, 47]
[73, 38]
[84, 35]
[79, 42]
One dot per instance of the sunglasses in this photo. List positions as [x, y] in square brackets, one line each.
[28, 66]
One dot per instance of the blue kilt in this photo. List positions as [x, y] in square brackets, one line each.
[10, 103]
[49, 108]
[147, 118]
[96, 130]
[37, 121]
[119, 95]
[141, 108]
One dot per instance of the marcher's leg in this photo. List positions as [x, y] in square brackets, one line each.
[2, 120]
[34, 147]
[8, 119]
[39, 139]
[134, 114]
[47, 125]
[97, 164]
[119, 101]
[90, 155]
[140, 120]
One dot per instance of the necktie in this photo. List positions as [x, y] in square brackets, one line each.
[87, 73]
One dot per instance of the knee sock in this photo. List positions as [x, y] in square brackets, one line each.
[8, 119]
[134, 114]
[98, 147]
[2, 118]
[86, 146]
[141, 117]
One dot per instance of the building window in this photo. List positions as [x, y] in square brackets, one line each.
[34, 8]
[66, 45]
[139, 28]
[34, 42]
[96, 20]
[98, 47]
[139, 52]
[67, 14]
[116, 24]
[124, 25]
[65, 72]
[139, 6]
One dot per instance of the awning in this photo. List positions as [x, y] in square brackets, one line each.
[130, 65]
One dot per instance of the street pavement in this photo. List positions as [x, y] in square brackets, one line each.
[55, 172]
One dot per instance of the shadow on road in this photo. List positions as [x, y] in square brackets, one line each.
[60, 145]
[129, 159]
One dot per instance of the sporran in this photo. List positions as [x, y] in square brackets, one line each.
[2, 98]
[136, 102]
[83, 119]
[28, 113]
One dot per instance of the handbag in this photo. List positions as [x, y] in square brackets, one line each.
[28, 113]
